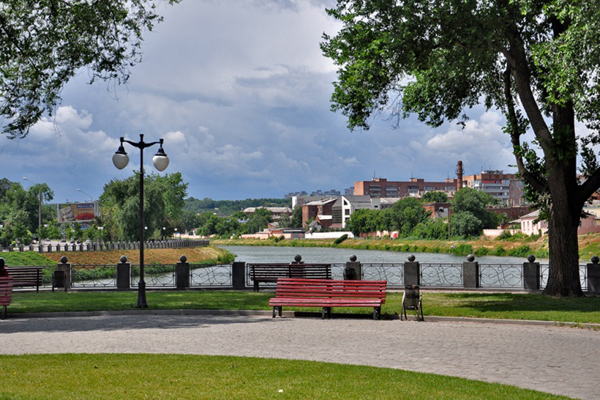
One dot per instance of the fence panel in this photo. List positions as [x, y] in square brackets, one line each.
[155, 275]
[442, 275]
[218, 275]
[93, 275]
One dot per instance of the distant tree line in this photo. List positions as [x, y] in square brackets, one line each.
[226, 208]
[239, 223]
[410, 219]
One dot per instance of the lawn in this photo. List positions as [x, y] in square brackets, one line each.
[124, 376]
[477, 305]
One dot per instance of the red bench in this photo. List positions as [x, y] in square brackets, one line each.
[5, 293]
[328, 293]
[271, 272]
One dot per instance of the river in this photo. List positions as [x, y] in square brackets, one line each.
[275, 254]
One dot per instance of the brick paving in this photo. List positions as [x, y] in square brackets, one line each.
[552, 359]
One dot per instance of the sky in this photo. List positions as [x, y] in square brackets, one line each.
[240, 92]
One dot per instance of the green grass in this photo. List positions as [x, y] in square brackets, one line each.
[124, 376]
[26, 258]
[477, 305]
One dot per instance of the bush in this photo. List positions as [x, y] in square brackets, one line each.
[481, 251]
[499, 251]
[462, 250]
[341, 239]
[521, 251]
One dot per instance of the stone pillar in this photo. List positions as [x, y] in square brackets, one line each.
[593, 276]
[123, 274]
[353, 270]
[412, 272]
[531, 274]
[470, 273]
[238, 275]
[65, 267]
[182, 274]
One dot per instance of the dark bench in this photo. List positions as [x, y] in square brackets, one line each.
[328, 293]
[266, 272]
[26, 276]
[5, 293]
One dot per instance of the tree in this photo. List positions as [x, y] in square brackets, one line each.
[120, 205]
[535, 61]
[475, 202]
[297, 217]
[434, 197]
[43, 44]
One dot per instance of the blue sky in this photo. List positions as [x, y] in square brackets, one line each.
[239, 90]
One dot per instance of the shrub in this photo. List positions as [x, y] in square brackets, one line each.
[462, 250]
[521, 251]
[341, 239]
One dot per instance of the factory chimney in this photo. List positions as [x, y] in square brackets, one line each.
[459, 175]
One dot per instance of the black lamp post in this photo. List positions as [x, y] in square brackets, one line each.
[160, 161]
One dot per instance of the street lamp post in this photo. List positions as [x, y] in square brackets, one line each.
[87, 194]
[39, 210]
[160, 161]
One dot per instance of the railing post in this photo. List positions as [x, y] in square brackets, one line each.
[63, 278]
[353, 270]
[593, 276]
[238, 275]
[182, 274]
[412, 272]
[123, 274]
[470, 273]
[531, 274]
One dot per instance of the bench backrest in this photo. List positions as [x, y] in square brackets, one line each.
[26, 276]
[5, 290]
[310, 271]
[330, 288]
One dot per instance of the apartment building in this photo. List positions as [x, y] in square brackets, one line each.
[416, 187]
[506, 188]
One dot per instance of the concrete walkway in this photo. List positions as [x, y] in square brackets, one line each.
[552, 359]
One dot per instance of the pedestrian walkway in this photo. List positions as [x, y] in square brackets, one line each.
[552, 359]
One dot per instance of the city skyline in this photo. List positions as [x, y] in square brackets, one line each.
[240, 93]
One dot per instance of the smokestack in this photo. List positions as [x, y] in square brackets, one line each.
[459, 175]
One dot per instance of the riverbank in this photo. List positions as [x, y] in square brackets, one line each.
[195, 255]
[589, 245]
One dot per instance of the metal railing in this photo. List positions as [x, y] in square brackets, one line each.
[430, 275]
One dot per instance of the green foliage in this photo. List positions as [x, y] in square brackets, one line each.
[465, 224]
[434, 197]
[340, 239]
[536, 62]
[163, 206]
[44, 44]
[229, 207]
[297, 217]
[521, 251]
[462, 250]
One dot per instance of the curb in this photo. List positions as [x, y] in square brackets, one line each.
[292, 314]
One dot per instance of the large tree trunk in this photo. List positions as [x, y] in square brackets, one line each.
[565, 214]
[563, 275]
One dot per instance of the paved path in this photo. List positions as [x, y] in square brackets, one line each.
[552, 359]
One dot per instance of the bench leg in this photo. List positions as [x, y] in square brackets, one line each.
[3, 312]
[274, 311]
[376, 312]
[324, 313]
[255, 286]
[280, 311]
